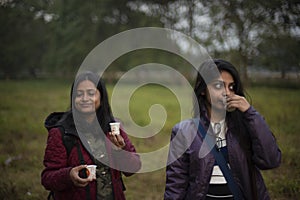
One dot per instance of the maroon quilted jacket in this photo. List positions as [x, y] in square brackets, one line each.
[55, 176]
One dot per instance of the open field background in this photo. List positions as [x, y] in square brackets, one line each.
[24, 104]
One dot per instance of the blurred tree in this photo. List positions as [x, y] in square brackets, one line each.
[231, 28]
[78, 29]
[21, 37]
[74, 31]
[280, 53]
[55, 36]
[280, 47]
[242, 25]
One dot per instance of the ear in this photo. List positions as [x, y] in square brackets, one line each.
[203, 93]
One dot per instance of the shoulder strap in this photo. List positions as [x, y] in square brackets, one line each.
[69, 141]
[222, 164]
[82, 162]
[50, 195]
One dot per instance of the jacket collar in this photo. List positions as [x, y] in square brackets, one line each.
[61, 119]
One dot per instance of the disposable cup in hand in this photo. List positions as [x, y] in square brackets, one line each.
[229, 109]
[91, 171]
[115, 128]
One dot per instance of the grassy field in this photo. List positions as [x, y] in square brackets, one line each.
[25, 104]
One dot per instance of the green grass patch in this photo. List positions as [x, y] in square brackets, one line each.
[25, 104]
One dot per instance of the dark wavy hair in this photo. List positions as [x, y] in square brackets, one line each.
[103, 113]
[209, 71]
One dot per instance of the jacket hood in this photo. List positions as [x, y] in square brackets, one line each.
[53, 120]
[64, 119]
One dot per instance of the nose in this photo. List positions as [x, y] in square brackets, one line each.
[227, 91]
[85, 97]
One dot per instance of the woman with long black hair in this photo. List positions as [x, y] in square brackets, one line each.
[228, 167]
[81, 137]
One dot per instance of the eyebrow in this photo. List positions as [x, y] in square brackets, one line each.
[217, 81]
[90, 89]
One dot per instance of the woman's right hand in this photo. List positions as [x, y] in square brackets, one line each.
[77, 181]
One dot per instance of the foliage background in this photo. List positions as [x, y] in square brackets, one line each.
[50, 38]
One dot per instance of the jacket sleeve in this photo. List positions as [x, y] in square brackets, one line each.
[177, 171]
[266, 153]
[127, 160]
[55, 175]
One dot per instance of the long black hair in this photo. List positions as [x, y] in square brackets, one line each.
[207, 73]
[103, 113]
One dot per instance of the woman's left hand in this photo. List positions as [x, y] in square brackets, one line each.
[117, 140]
[239, 102]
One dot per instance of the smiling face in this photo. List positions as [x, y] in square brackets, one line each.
[218, 89]
[87, 97]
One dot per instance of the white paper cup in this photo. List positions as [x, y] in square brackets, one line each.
[92, 171]
[229, 109]
[115, 128]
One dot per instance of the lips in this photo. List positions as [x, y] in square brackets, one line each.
[223, 102]
[85, 105]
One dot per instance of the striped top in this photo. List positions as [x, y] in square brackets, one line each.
[218, 187]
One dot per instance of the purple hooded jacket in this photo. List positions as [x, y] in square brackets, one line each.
[188, 172]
